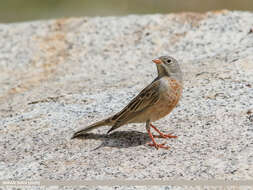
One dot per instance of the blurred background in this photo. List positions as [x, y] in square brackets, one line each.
[26, 10]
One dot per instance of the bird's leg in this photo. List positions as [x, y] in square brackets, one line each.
[162, 135]
[153, 143]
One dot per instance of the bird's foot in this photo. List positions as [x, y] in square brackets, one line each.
[157, 146]
[162, 135]
[165, 136]
[153, 143]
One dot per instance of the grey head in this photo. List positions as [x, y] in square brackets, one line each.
[168, 66]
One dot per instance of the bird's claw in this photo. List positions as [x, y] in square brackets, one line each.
[157, 146]
[165, 136]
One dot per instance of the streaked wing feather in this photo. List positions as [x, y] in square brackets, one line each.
[146, 98]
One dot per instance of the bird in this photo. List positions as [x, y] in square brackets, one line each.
[154, 102]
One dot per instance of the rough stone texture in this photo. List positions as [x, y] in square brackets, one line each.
[60, 75]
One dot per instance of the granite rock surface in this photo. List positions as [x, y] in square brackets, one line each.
[57, 76]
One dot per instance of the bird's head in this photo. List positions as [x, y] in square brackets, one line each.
[168, 66]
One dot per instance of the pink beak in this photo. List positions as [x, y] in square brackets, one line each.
[157, 61]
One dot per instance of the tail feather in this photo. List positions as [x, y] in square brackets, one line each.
[91, 127]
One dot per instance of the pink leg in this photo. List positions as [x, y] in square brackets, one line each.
[162, 135]
[153, 143]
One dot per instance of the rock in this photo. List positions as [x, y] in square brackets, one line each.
[57, 76]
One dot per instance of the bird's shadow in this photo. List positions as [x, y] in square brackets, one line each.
[118, 139]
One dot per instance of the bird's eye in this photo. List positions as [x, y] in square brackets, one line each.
[169, 61]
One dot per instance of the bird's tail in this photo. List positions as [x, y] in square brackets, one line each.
[91, 127]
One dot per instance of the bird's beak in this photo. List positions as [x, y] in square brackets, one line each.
[157, 61]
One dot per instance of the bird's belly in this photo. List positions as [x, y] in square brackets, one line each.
[158, 111]
[161, 110]
[164, 106]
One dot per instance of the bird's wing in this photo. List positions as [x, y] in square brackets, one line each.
[146, 98]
